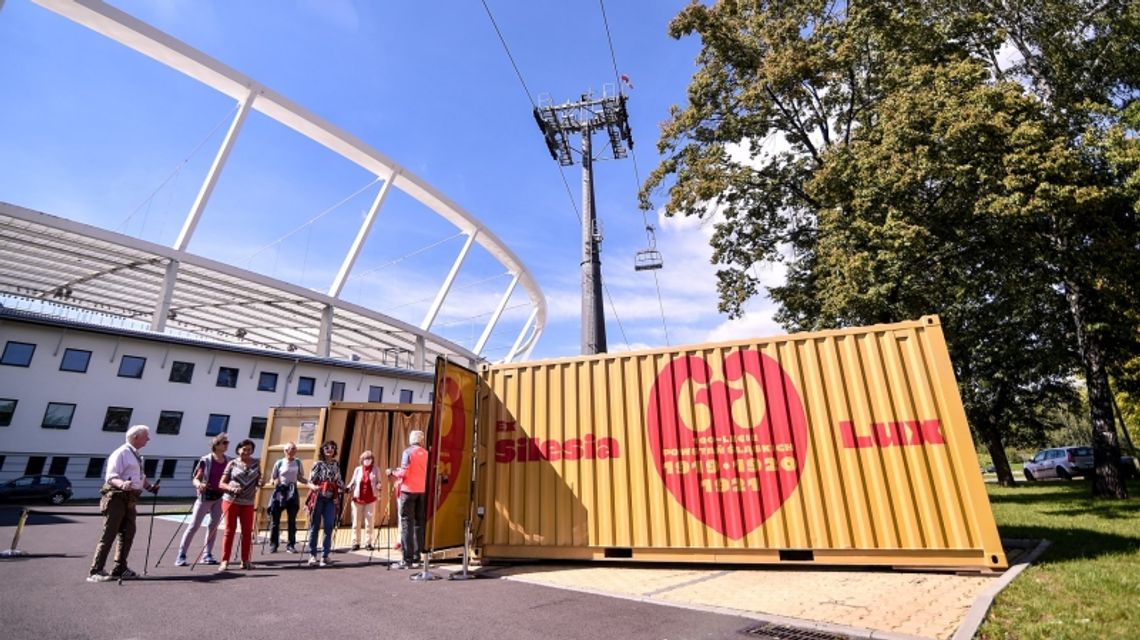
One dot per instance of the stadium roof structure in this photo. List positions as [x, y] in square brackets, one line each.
[84, 269]
[80, 271]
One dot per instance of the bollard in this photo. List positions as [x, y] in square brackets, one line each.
[14, 551]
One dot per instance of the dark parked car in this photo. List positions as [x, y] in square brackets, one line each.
[54, 489]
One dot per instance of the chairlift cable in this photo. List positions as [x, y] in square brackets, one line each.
[313, 219]
[177, 169]
[561, 169]
[412, 253]
[633, 158]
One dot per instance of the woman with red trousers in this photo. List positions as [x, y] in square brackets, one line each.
[241, 479]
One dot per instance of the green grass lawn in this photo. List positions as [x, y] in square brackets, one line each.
[1087, 585]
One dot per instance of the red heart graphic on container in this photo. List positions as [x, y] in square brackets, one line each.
[730, 462]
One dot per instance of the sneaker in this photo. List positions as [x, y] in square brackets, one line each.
[224, 566]
[325, 562]
[273, 549]
[356, 547]
[312, 561]
[180, 561]
[125, 574]
[99, 576]
[402, 565]
[290, 549]
[209, 560]
[248, 566]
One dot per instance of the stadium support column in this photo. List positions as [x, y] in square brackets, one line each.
[324, 337]
[162, 305]
[162, 309]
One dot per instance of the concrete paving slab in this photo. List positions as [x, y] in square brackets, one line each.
[869, 603]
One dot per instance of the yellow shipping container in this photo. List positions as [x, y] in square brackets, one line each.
[840, 447]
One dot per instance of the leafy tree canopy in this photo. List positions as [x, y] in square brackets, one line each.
[886, 153]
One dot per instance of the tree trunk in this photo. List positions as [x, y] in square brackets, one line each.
[1107, 482]
[991, 433]
[997, 452]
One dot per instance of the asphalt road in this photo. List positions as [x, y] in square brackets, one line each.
[46, 596]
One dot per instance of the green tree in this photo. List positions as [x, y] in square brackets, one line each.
[914, 175]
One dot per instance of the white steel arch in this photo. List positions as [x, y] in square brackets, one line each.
[249, 94]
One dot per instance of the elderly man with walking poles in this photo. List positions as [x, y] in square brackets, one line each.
[124, 482]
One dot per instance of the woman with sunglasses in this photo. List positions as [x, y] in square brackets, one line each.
[207, 478]
[326, 483]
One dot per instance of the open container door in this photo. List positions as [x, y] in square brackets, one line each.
[303, 426]
[451, 438]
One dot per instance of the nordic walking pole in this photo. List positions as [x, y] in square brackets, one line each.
[336, 517]
[257, 526]
[180, 525]
[150, 534]
[308, 531]
[376, 537]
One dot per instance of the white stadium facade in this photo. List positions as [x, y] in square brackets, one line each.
[101, 330]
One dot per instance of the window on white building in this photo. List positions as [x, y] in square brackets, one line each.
[17, 354]
[7, 409]
[181, 372]
[117, 419]
[132, 367]
[227, 377]
[217, 423]
[306, 386]
[267, 381]
[58, 415]
[169, 423]
[75, 360]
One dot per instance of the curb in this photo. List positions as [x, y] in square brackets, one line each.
[977, 613]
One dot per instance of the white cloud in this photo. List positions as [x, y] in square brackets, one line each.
[339, 13]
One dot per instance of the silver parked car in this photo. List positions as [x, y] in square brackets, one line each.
[1060, 462]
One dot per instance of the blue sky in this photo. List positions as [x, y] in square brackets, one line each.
[92, 131]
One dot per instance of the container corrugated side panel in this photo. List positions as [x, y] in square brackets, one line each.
[839, 447]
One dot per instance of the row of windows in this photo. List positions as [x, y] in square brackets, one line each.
[19, 354]
[59, 415]
[95, 466]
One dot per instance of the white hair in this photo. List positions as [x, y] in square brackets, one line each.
[416, 437]
[137, 429]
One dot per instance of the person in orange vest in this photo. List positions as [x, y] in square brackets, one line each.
[412, 502]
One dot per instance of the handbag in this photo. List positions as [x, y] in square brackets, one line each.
[310, 502]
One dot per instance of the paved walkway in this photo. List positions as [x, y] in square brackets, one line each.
[862, 603]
